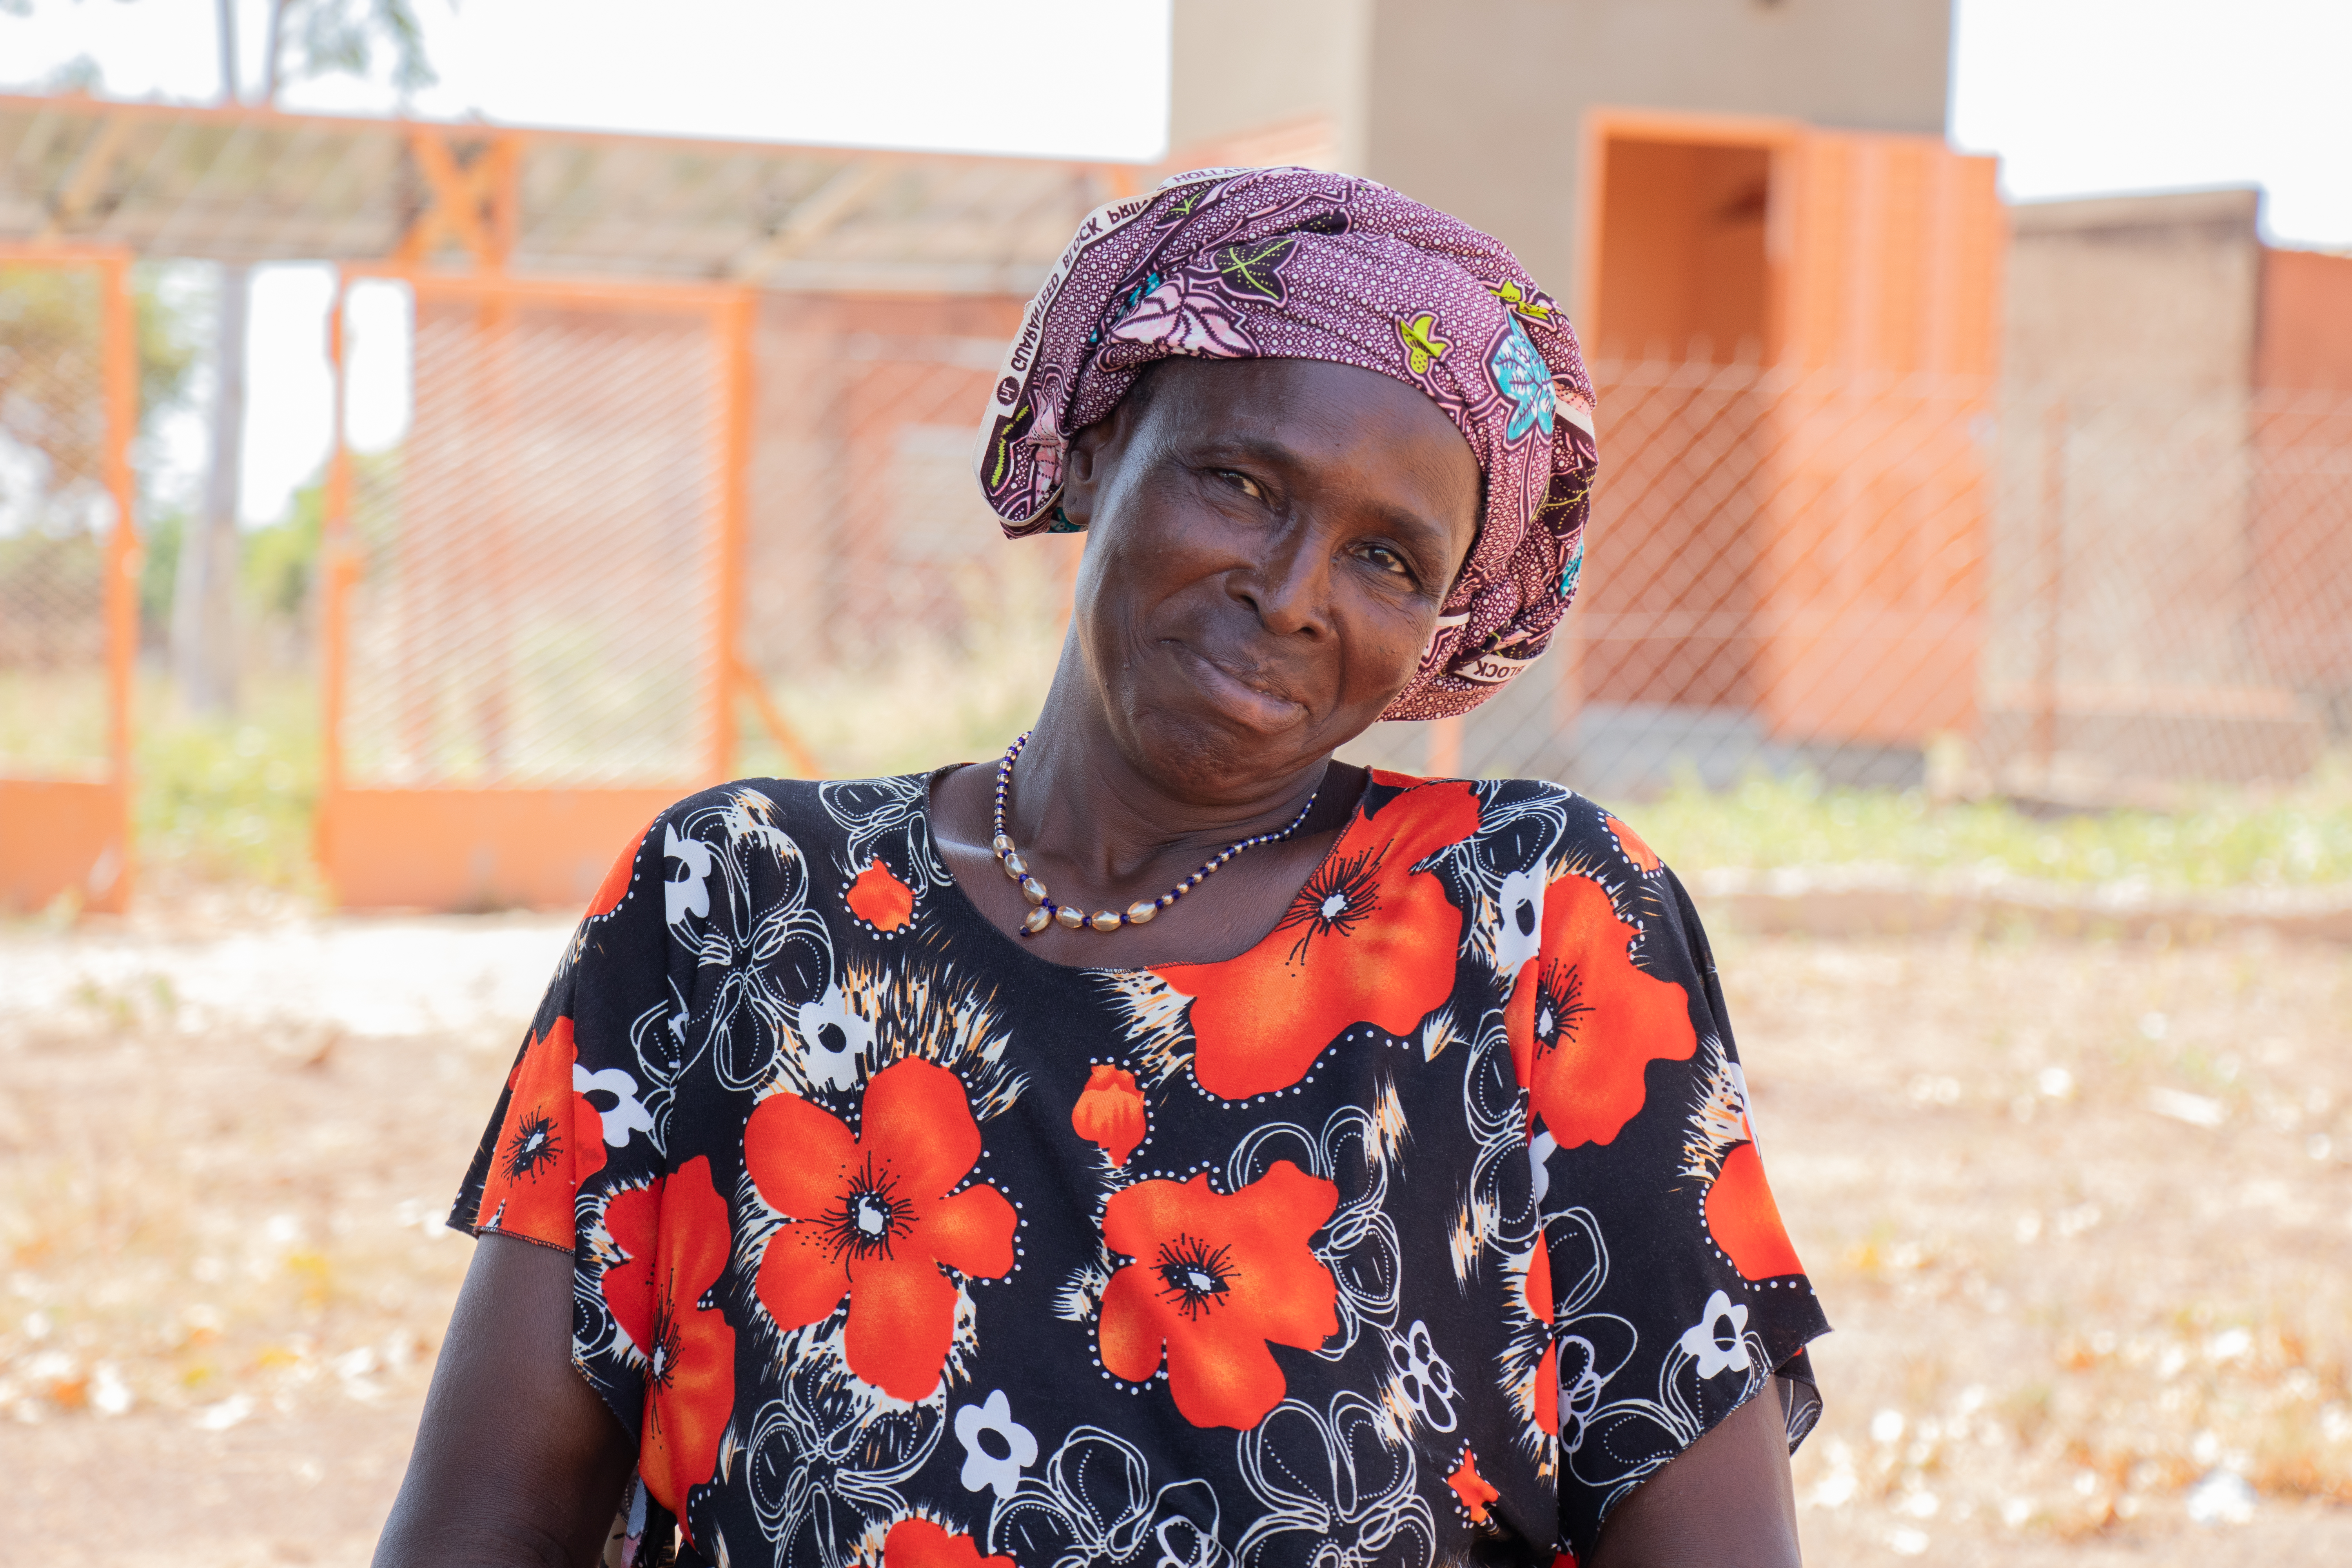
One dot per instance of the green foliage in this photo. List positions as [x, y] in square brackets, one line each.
[235, 799]
[230, 799]
[2223, 837]
[167, 332]
[342, 35]
[329, 38]
[159, 568]
[280, 562]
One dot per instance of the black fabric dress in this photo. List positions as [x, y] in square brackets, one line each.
[1420, 1233]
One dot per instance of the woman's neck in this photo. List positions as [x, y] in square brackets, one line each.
[1078, 798]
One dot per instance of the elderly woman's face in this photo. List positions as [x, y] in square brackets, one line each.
[1269, 544]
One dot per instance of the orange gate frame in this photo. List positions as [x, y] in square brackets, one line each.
[460, 848]
[67, 835]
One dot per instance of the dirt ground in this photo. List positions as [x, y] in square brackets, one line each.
[2081, 1214]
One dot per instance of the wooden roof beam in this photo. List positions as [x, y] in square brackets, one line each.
[81, 186]
[473, 203]
[809, 221]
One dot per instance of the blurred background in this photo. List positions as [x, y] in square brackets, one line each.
[432, 439]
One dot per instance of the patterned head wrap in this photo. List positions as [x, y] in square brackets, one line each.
[1297, 263]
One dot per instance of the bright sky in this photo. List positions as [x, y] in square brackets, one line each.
[2075, 96]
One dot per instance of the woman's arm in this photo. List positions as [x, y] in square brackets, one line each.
[1725, 1501]
[517, 1462]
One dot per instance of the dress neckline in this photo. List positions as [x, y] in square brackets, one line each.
[969, 912]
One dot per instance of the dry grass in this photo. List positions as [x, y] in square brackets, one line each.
[228, 1134]
[224, 1161]
[2080, 1212]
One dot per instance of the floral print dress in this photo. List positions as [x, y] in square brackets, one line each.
[1419, 1233]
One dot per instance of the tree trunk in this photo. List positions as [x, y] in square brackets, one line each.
[204, 597]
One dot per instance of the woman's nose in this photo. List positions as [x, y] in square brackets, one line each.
[1290, 585]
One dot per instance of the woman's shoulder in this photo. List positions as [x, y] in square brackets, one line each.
[756, 806]
[779, 823]
[1526, 810]
[724, 857]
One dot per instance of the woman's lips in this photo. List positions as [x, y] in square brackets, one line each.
[1244, 697]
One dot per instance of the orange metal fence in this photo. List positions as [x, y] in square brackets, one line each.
[530, 626]
[69, 561]
[2062, 594]
[617, 510]
[883, 604]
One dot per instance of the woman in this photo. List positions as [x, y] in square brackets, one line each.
[1165, 1145]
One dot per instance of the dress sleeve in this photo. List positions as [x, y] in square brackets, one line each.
[572, 1153]
[1676, 1296]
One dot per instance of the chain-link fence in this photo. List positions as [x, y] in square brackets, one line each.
[529, 611]
[68, 402]
[1877, 580]
[883, 605]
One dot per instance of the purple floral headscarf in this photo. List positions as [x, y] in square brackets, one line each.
[1298, 264]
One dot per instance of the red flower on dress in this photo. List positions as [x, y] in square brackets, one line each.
[1474, 1491]
[875, 1214]
[1367, 940]
[1217, 1276]
[920, 1543]
[1745, 1222]
[674, 1238]
[1110, 1112]
[615, 885]
[880, 899]
[1585, 1022]
[1646, 859]
[1539, 1303]
[551, 1140]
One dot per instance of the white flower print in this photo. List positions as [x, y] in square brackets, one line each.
[1582, 1375]
[768, 949]
[1359, 1243]
[982, 1469]
[1594, 1347]
[1420, 1376]
[1338, 1493]
[822, 1461]
[1704, 1341]
[628, 1114]
[834, 1038]
[1540, 1148]
[1095, 1505]
[1518, 920]
[1190, 313]
[687, 892]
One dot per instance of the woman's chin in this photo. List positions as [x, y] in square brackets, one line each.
[1205, 695]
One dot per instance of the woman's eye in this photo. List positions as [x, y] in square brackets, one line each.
[1249, 487]
[1388, 561]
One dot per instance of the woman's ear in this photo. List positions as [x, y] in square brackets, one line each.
[1094, 454]
[1074, 505]
[1083, 468]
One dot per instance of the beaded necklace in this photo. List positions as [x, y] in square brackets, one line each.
[1046, 911]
